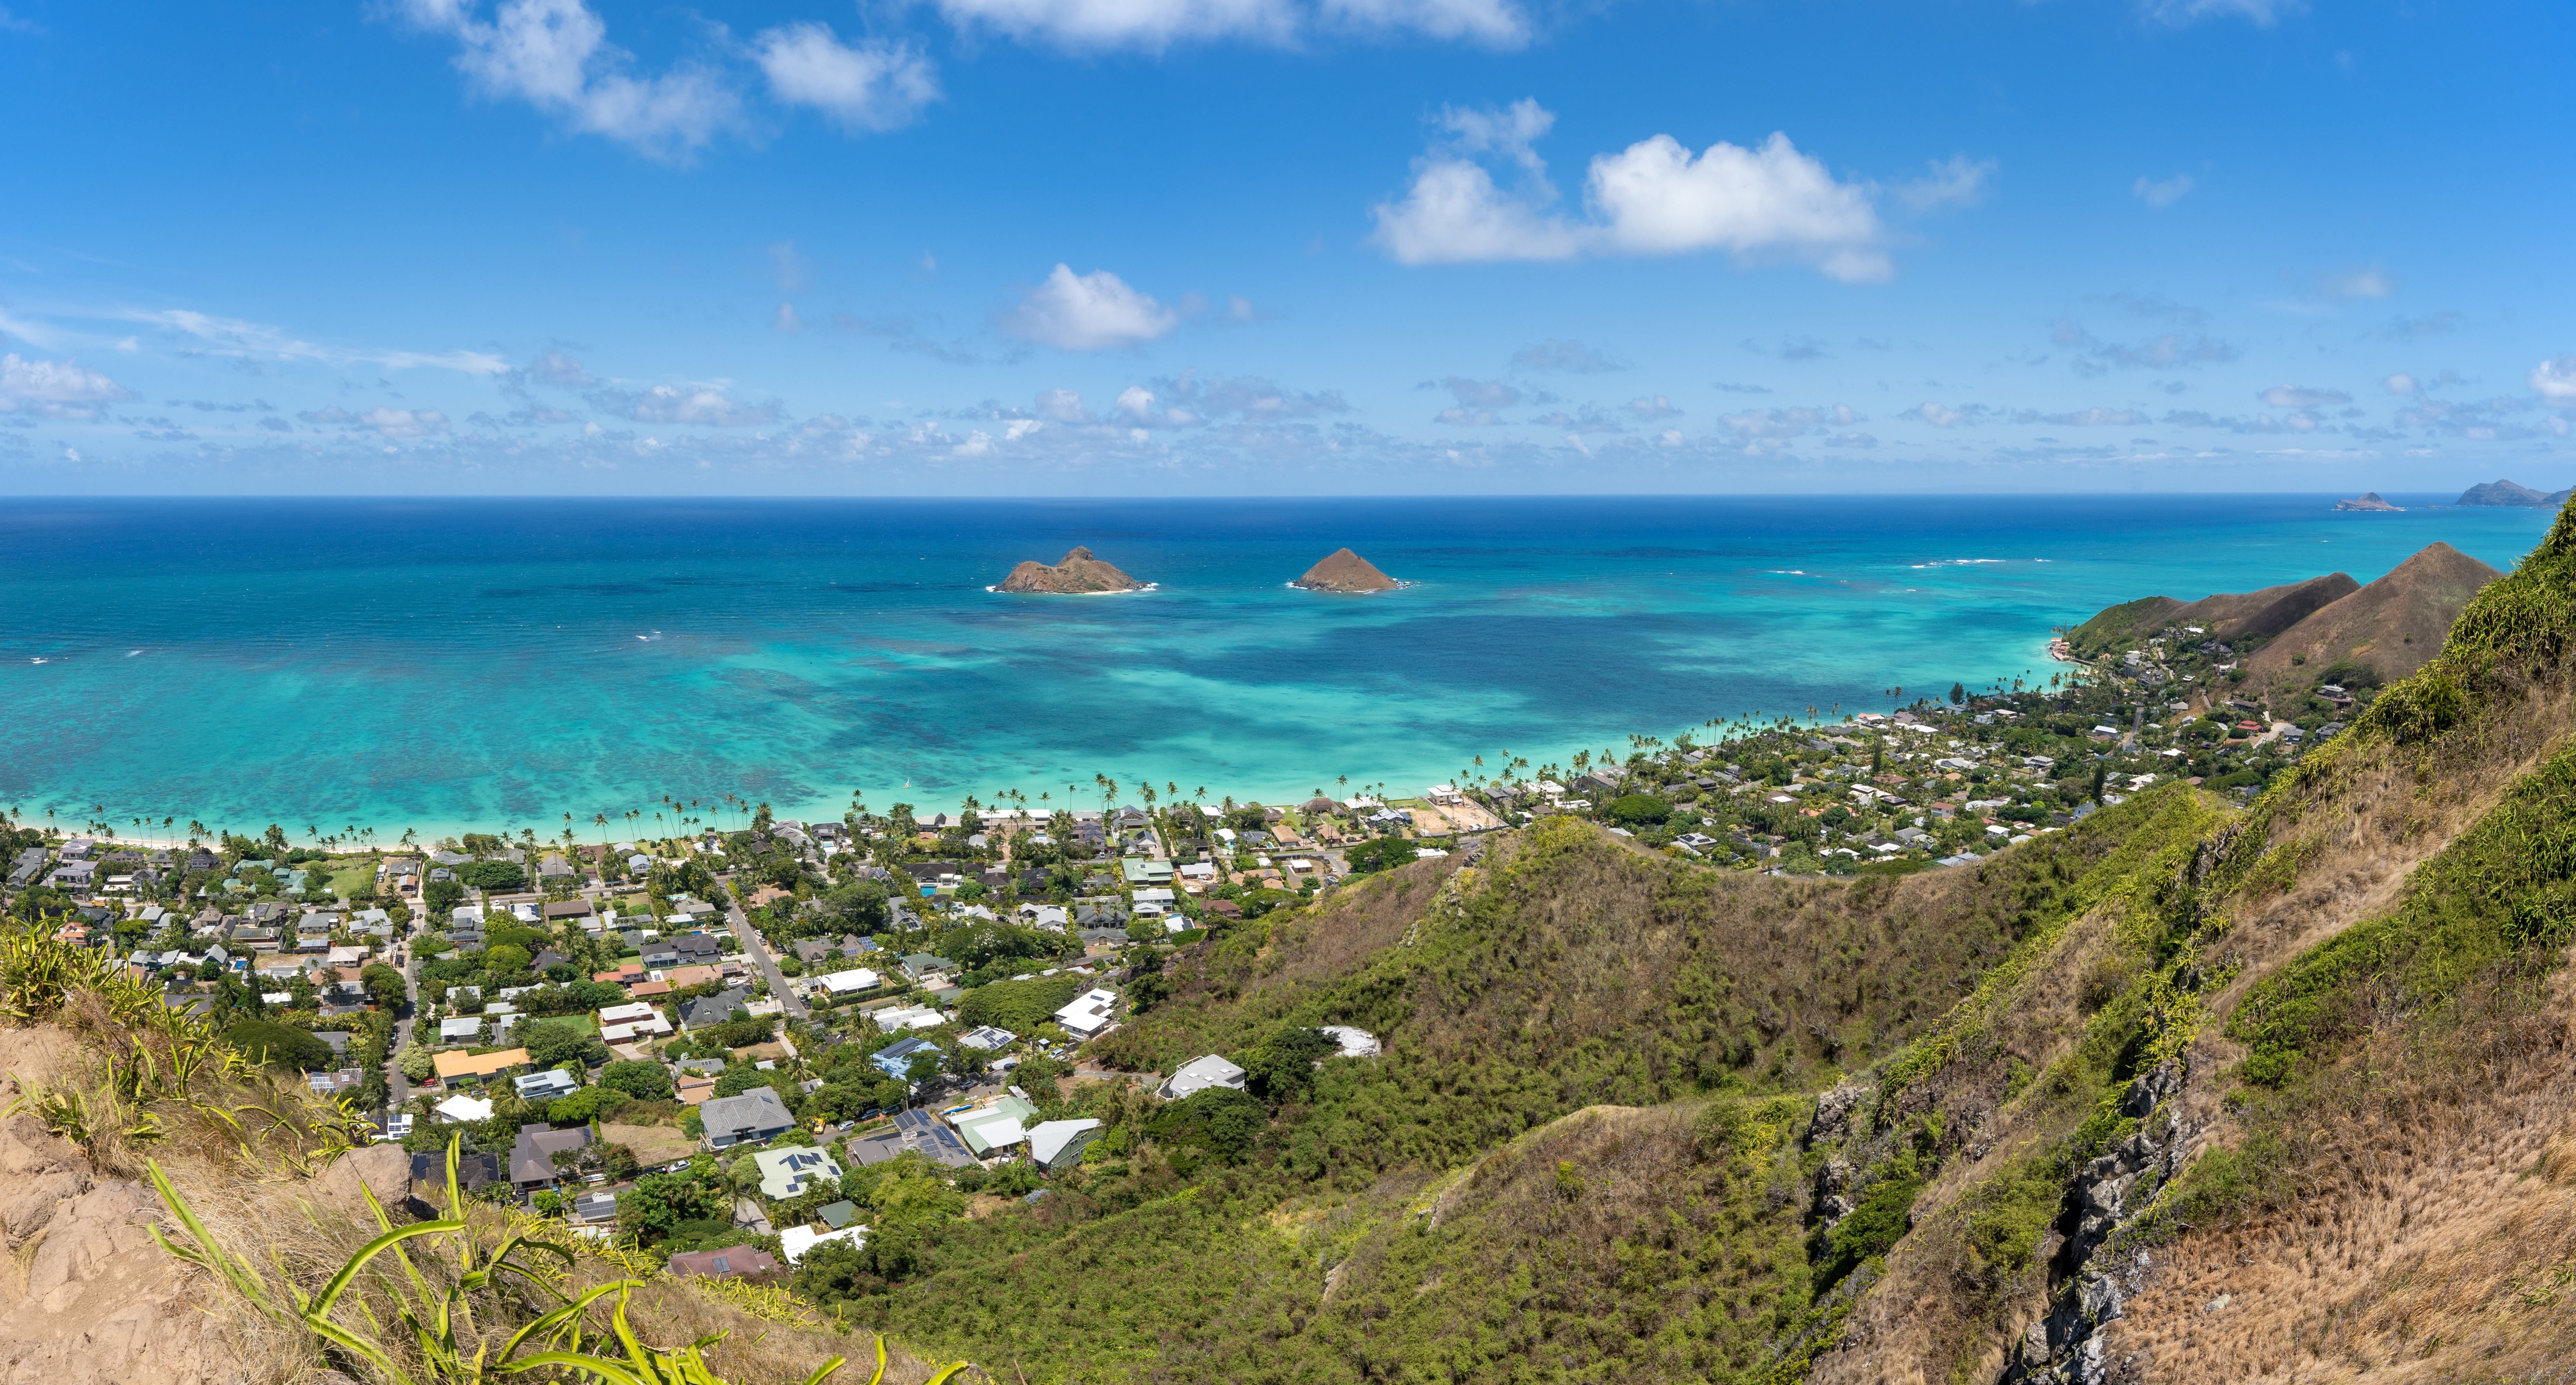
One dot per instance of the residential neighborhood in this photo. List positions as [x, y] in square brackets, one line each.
[747, 1045]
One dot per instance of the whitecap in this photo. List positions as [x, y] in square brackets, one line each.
[132, 652]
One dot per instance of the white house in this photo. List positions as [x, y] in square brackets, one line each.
[1087, 1015]
[796, 1240]
[852, 981]
[1198, 1075]
[910, 1017]
[1058, 1145]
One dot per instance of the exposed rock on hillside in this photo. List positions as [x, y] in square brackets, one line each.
[2394, 625]
[1345, 571]
[1080, 574]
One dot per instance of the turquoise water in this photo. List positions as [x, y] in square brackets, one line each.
[437, 664]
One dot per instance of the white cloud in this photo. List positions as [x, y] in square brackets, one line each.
[1943, 416]
[2351, 285]
[1571, 356]
[874, 86]
[2555, 380]
[2399, 383]
[2302, 397]
[1063, 405]
[403, 423]
[705, 405]
[231, 336]
[1652, 407]
[1957, 181]
[2096, 417]
[2162, 193]
[1154, 25]
[1655, 197]
[1137, 403]
[1493, 23]
[785, 319]
[55, 389]
[1087, 312]
[555, 55]
[2263, 12]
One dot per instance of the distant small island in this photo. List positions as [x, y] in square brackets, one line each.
[2368, 500]
[1080, 574]
[1345, 571]
[2507, 494]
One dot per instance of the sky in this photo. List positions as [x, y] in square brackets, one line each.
[1270, 247]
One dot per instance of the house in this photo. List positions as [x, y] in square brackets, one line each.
[532, 1156]
[454, 1066]
[914, 1133]
[987, 1038]
[709, 1010]
[463, 1029]
[813, 950]
[474, 1172]
[733, 1262]
[851, 982]
[463, 1109]
[909, 1017]
[1200, 1074]
[678, 977]
[753, 1116]
[1057, 1145]
[1087, 1015]
[554, 868]
[785, 1172]
[567, 909]
[797, 1240]
[996, 1126]
[546, 1085]
[895, 1059]
[592, 1209]
[920, 964]
[838, 1215]
[1143, 872]
[630, 1020]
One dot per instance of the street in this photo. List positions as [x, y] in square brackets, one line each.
[758, 952]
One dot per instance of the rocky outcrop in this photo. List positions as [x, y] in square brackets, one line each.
[1080, 574]
[2368, 500]
[100, 1302]
[1345, 571]
[2065, 1347]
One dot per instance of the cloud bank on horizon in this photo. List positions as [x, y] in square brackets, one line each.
[1247, 246]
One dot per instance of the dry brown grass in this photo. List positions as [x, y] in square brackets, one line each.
[2361, 833]
[2432, 1235]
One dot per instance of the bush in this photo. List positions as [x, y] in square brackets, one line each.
[278, 1046]
[1018, 1006]
[1379, 853]
[1637, 809]
[643, 1081]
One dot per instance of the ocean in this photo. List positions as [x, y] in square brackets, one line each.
[438, 665]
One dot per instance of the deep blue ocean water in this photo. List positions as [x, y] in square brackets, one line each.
[440, 664]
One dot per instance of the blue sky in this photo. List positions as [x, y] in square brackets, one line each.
[1284, 246]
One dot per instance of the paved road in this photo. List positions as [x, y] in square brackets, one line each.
[396, 1084]
[758, 952]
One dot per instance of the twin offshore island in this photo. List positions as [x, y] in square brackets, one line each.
[1082, 573]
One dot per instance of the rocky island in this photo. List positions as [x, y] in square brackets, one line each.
[2513, 494]
[1345, 571]
[1080, 574]
[2368, 500]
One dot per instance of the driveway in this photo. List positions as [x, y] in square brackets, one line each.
[758, 952]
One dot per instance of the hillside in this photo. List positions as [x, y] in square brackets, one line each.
[2225, 616]
[2393, 625]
